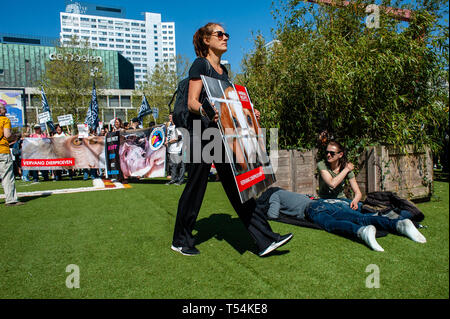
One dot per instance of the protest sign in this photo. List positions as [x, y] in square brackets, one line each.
[67, 152]
[83, 130]
[65, 120]
[242, 136]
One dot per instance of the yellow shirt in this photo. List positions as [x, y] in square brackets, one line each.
[4, 145]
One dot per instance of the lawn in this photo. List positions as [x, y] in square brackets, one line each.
[120, 241]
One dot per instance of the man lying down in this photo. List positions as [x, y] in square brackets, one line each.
[334, 216]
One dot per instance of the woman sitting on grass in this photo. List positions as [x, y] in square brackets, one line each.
[334, 171]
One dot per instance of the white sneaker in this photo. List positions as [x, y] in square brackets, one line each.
[407, 228]
[276, 244]
[367, 234]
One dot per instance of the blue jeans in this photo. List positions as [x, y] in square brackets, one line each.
[339, 218]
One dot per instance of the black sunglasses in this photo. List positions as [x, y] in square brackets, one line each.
[331, 153]
[220, 34]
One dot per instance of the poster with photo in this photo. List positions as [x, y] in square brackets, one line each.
[66, 152]
[242, 136]
[15, 109]
[142, 153]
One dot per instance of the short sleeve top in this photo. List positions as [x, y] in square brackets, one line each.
[4, 145]
[326, 191]
[201, 66]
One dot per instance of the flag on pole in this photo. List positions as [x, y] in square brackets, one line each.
[92, 112]
[144, 109]
[46, 108]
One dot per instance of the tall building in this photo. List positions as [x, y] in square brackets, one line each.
[143, 42]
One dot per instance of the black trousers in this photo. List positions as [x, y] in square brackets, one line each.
[192, 197]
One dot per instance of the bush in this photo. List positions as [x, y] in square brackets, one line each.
[328, 71]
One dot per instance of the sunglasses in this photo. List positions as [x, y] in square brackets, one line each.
[220, 34]
[331, 153]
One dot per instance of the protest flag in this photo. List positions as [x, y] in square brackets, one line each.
[92, 112]
[46, 108]
[144, 109]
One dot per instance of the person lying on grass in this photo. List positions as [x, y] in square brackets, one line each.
[335, 216]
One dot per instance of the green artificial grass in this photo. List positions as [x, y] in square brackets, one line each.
[120, 240]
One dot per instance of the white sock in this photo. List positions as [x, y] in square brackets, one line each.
[406, 227]
[367, 234]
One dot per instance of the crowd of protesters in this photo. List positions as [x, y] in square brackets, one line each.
[38, 131]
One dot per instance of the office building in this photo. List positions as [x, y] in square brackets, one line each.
[143, 42]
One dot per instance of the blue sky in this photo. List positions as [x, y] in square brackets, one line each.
[240, 18]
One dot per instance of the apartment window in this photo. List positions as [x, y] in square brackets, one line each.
[136, 41]
[84, 19]
[102, 39]
[111, 40]
[170, 26]
[102, 45]
[134, 24]
[119, 40]
[114, 101]
[164, 26]
[94, 38]
[135, 47]
[126, 101]
[119, 46]
[67, 30]
[144, 48]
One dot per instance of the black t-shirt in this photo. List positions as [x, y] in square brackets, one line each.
[201, 67]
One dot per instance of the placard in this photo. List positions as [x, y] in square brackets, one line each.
[242, 136]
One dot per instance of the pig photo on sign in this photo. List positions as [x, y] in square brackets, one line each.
[138, 159]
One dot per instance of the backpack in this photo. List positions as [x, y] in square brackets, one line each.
[180, 109]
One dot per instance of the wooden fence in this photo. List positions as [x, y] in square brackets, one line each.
[381, 168]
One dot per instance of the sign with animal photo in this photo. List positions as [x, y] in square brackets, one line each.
[65, 152]
[142, 153]
[242, 136]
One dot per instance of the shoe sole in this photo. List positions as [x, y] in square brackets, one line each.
[276, 246]
[179, 250]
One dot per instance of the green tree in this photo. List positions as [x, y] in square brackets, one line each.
[68, 80]
[329, 71]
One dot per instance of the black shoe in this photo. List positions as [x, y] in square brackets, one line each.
[170, 182]
[276, 244]
[15, 204]
[186, 251]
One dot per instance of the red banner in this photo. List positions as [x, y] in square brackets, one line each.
[250, 178]
[48, 162]
[243, 96]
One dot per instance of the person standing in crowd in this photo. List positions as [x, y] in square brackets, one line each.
[60, 133]
[6, 162]
[38, 134]
[174, 144]
[134, 124]
[117, 125]
[210, 43]
[334, 171]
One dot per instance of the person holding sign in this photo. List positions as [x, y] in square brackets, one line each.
[38, 134]
[210, 43]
